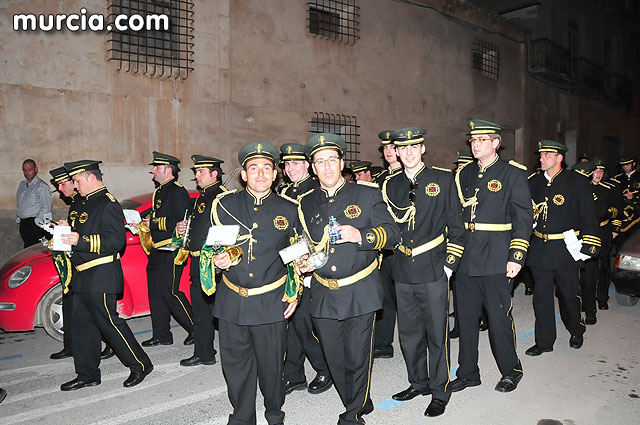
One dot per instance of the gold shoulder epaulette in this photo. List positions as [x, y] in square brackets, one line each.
[370, 184]
[531, 175]
[283, 196]
[110, 196]
[615, 180]
[223, 194]
[518, 165]
[302, 195]
[177, 183]
[441, 169]
[608, 186]
[396, 171]
[582, 173]
[223, 188]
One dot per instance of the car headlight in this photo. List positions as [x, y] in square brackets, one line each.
[19, 277]
[628, 262]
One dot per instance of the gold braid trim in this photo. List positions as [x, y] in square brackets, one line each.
[542, 207]
[242, 239]
[465, 202]
[323, 245]
[409, 212]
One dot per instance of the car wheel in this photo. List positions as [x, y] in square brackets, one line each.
[626, 300]
[51, 313]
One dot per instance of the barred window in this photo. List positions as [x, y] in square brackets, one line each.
[153, 52]
[343, 125]
[335, 20]
[486, 59]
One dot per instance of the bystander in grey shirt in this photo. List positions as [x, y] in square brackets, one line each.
[33, 200]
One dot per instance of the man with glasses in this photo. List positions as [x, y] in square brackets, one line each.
[300, 336]
[563, 204]
[425, 205]
[348, 224]
[498, 217]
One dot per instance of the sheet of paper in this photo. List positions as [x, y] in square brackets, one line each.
[223, 235]
[132, 216]
[291, 253]
[58, 245]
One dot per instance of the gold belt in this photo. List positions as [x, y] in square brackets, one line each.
[413, 252]
[97, 262]
[551, 236]
[339, 283]
[248, 292]
[488, 227]
[162, 243]
[604, 223]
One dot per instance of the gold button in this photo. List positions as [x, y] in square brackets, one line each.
[255, 225]
[411, 240]
[250, 274]
[413, 260]
[255, 208]
[332, 250]
[333, 268]
[331, 200]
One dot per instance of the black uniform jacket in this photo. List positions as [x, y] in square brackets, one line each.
[170, 201]
[363, 208]
[570, 205]
[272, 219]
[201, 222]
[386, 173]
[502, 198]
[100, 224]
[437, 209]
[608, 206]
[293, 190]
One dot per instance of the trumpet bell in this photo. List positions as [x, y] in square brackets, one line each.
[235, 254]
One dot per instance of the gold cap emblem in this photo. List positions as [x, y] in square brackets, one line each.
[288, 149]
[472, 125]
[321, 140]
[259, 147]
[409, 133]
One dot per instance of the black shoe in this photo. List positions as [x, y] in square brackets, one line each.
[576, 341]
[435, 408]
[459, 384]
[409, 394]
[320, 384]
[536, 350]
[189, 339]
[590, 318]
[3, 394]
[62, 354]
[290, 387]
[454, 333]
[368, 408]
[137, 376]
[383, 352]
[76, 384]
[528, 291]
[154, 341]
[508, 384]
[483, 326]
[195, 361]
[107, 353]
[603, 305]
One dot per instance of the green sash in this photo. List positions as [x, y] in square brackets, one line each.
[207, 269]
[63, 266]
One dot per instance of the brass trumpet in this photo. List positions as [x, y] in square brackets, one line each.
[235, 253]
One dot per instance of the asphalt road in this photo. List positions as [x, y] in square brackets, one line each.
[598, 384]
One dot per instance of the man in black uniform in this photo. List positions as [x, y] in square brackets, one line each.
[170, 201]
[250, 306]
[498, 216]
[386, 318]
[349, 223]
[424, 203]
[301, 339]
[208, 174]
[362, 170]
[563, 202]
[629, 183]
[97, 238]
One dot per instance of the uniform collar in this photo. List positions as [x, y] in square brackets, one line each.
[257, 201]
[628, 175]
[487, 167]
[204, 189]
[168, 181]
[550, 179]
[298, 183]
[415, 176]
[344, 182]
[95, 192]
[391, 171]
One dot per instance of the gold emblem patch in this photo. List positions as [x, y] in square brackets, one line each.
[281, 222]
[494, 185]
[158, 203]
[558, 199]
[432, 189]
[592, 250]
[85, 238]
[352, 211]
[84, 217]
[371, 238]
[451, 259]
[201, 207]
[73, 215]
[517, 255]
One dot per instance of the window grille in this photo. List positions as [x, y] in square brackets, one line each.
[334, 20]
[153, 52]
[486, 59]
[345, 126]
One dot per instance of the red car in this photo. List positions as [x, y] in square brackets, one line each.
[31, 294]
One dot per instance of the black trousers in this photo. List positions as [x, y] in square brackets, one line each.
[494, 292]
[568, 291]
[483, 314]
[94, 314]
[604, 273]
[301, 340]
[251, 355]
[423, 327]
[203, 320]
[347, 346]
[67, 313]
[165, 300]
[589, 277]
[30, 232]
[386, 318]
